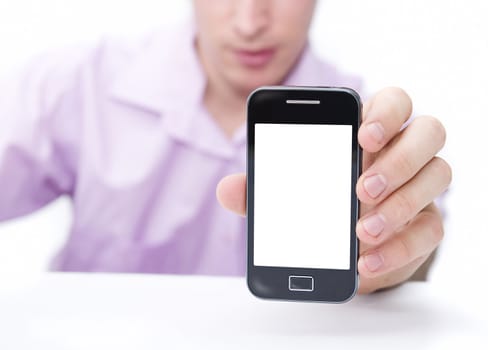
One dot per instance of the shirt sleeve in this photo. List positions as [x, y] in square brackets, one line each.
[38, 123]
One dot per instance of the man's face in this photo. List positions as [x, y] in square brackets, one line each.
[249, 43]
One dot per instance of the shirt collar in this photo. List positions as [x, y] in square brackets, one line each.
[166, 78]
[167, 74]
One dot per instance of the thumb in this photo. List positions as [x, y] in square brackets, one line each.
[231, 193]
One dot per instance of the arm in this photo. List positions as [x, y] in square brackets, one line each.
[37, 136]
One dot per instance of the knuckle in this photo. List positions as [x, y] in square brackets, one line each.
[398, 92]
[403, 163]
[405, 206]
[443, 170]
[436, 229]
[404, 248]
[401, 95]
[395, 102]
[434, 226]
[389, 108]
[435, 130]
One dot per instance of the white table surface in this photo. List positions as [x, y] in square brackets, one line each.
[100, 311]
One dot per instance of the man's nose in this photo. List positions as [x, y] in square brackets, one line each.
[251, 17]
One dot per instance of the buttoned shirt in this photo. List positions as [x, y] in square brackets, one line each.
[120, 127]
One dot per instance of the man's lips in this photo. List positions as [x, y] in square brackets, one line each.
[254, 58]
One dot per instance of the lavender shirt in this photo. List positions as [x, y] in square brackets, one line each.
[120, 128]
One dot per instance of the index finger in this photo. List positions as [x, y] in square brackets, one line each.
[383, 118]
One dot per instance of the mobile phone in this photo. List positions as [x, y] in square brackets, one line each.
[303, 162]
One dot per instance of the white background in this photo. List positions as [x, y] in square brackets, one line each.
[309, 224]
[437, 50]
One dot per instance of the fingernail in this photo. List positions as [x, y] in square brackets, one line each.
[373, 261]
[376, 131]
[374, 224]
[374, 185]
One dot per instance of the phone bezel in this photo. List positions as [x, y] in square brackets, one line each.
[337, 106]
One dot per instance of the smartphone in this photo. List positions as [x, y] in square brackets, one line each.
[303, 162]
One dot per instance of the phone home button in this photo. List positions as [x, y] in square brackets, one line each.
[300, 283]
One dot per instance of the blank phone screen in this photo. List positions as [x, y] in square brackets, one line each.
[302, 195]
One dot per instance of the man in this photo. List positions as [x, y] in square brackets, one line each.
[140, 136]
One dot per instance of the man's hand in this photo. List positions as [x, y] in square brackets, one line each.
[400, 226]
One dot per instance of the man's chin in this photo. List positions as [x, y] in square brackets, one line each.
[244, 85]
